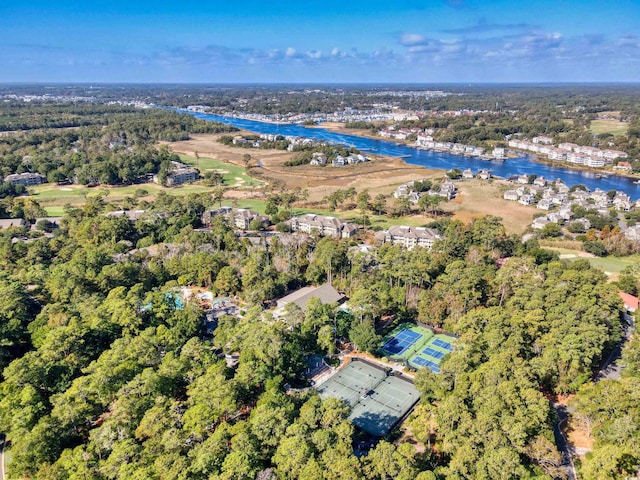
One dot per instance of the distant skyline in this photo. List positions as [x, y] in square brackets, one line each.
[393, 41]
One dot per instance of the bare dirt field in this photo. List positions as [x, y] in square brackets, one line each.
[477, 198]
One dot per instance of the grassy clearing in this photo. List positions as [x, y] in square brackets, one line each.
[610, 265]
[55, 211]
[233, 175]
[613, 264]
[54, 197]
[608, 126]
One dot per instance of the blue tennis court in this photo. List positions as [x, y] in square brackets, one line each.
[401, 342]
[433, 353]
[423, 362]
[442, 344]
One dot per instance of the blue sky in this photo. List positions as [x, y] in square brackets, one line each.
[266, 41]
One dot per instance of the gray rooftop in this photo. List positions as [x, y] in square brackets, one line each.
[326, 293]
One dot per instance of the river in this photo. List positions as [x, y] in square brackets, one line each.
[437, 160]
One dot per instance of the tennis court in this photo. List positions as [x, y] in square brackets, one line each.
[430, 352]
[353, 381]
[442, 344]
[423, 362]
[378, 401]
[431, 356]
[401, 342]
[404, 341]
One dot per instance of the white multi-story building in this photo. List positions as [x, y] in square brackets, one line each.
[324, 226]
[410, 237]
[26, 179]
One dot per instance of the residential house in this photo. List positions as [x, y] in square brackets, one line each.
[555, 217]
[622, 202]
[485, 174]
[414, 197]
[242, 218]
[179, 174]
[630, 302]
[339, 161]
[132, 215]
[623, 166]
[613, 154]
[403, 190]
[565, 213]
[26, 179]
[447, 190]
[544, 204]
[238, 217]
[424, 140]
[458, 148]
[467, 174]
[557, 154]
[322, 225]
[411, 237]
[594, 162]
[318, 158]
[498, 153]
[567, 146]
[539, 223]
[540, 181]
[511, 195]
[527, 199]
[561, 187]
[559, 198]
[584, 222]
[543, 139]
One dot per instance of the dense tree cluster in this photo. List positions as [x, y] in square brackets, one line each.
[115, 146]
[106, 377]
[610, 412]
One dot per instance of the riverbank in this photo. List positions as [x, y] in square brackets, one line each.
[595, 171]
[438, 160]
[366, 133]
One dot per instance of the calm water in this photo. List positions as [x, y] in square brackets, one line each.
[438, 160]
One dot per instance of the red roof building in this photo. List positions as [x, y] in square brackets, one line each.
[630, 302]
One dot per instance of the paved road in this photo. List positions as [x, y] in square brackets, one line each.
[561, 441]
[610, 369]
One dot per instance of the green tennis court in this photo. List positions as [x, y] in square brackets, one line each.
[432, 353]
[378, 401]
[404, 341]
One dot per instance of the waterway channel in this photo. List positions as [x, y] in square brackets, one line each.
[437, 160]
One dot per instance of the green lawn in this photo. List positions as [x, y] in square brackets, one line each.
[608, 126]
[53, 197]
[613, 264]
[55, 211]
[233, 175]
[606, 264]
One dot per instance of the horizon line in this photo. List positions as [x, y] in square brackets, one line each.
[469, 84]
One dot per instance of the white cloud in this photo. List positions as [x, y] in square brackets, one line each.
[412, 39]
